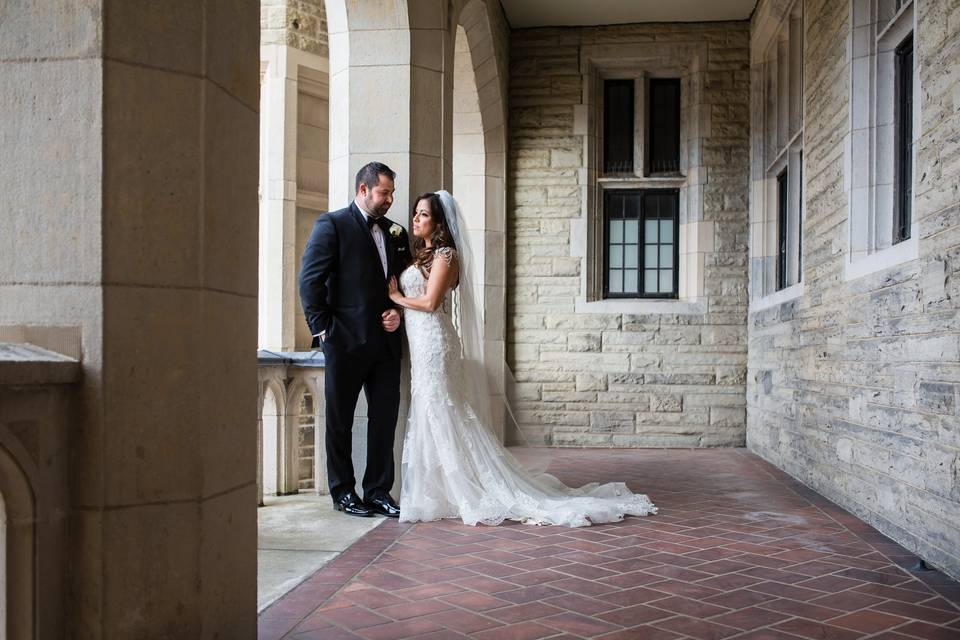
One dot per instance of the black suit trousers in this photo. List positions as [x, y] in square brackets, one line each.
[377, 371]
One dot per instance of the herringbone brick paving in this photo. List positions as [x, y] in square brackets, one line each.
[738, 550]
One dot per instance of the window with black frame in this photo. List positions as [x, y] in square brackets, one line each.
[903, 172]
[641, 243]
[782, 213]
[800, 221]
[779, 137]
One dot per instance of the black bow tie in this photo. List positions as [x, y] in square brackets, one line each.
[381, 222]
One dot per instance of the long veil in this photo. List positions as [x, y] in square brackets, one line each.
[489, 398]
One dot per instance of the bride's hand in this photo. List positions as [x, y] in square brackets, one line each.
[394, 291]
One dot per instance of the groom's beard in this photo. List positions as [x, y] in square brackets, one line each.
[376, 212]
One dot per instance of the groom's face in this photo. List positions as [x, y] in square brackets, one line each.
[378, 199]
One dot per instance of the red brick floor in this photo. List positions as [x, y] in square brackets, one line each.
[738, 550]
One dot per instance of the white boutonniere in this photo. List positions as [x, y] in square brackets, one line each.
[395, 230]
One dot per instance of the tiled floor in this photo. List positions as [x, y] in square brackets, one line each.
[738, 550]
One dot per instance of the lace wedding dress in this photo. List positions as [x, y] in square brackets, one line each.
[453, 466]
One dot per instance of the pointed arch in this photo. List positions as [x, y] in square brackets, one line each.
[479, 163]
[17, 548]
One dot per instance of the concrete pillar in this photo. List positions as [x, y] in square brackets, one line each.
[129, 192]
[389, 96]
[278, 307]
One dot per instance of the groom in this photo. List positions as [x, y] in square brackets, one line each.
[350, 257]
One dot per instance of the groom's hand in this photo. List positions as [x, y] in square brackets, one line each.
[390, 320]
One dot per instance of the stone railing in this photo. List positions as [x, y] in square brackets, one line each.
[290, 425]
[289, 382]
[37, 395]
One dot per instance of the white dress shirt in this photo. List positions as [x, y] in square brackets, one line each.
[378, 239]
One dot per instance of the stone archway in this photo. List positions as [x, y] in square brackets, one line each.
[300, 436]
[271, 431]
[479, 169]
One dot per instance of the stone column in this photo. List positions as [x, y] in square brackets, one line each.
[278, 308]
[389, 97]
[294, 138]
[319, 433]
[129, 199]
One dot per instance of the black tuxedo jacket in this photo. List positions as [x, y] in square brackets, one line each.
[342, 288]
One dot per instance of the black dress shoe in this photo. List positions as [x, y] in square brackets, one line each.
[351, 505]
[384, 505]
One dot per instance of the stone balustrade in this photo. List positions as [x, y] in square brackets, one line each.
[287, 382]
[290, 425]
[37, 396]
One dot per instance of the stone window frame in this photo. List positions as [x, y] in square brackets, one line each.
[869, 147]
[641, 61]
[777, 133]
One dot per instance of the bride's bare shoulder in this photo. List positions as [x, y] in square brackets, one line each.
[447, 254]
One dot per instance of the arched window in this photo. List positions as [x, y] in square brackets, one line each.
[306, 430]
[271, 454]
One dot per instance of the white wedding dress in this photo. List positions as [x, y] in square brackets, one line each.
[453, 466]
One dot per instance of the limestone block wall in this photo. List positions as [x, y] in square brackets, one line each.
[301, 24]
[854, 387]
[614, 373]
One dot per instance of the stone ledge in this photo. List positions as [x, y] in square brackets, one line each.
[306, 359]
[27, 364]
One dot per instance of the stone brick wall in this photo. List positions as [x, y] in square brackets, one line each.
[854, 388]
[301, 24]
[623, 378]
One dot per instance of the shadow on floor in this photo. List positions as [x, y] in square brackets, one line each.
[298, 535]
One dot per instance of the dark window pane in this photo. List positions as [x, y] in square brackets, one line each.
[618, 126]
[664, 147]
[903, 171]
[782, 190]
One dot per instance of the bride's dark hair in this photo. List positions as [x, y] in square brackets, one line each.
[441, 236]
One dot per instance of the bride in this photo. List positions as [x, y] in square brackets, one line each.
[453, 466]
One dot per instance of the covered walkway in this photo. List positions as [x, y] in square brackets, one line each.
[738, 550]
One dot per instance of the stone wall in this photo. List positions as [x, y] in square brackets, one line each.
[853, 387]
[664, 373]
[301, 24]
